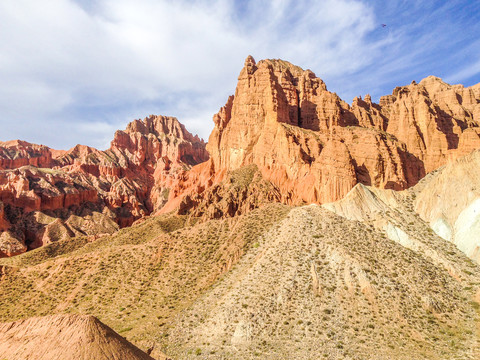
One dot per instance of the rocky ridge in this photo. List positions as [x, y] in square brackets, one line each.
[120, 185]
[305, 144]
[284, 120]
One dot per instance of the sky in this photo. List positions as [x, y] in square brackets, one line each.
[75, 71]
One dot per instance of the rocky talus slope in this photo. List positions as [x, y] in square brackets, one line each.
[47, 195]
[68, 337]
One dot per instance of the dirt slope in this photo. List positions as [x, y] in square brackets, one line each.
[321, 286]
[449, 200]
[66, 337]
[135, 281]
[363, 278]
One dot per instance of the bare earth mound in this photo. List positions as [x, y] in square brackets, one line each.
[64, 337]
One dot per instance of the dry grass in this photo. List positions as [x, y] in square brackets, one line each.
[320, 286]
[135, 281]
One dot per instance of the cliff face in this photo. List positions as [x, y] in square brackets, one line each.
[436, 121]
[17, 153]
[314, 147]
[124, 183]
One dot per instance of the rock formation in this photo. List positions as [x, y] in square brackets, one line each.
[17, 153]
[314, 147]
[231, 270]
[449, 200]
[305, 143]
[436, 121]
[124, 183]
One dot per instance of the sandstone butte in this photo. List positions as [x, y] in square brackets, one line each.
[309, 145]
[314, 147]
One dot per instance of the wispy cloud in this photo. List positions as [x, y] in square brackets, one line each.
[471, 70]
[84, 68]
[421, 38]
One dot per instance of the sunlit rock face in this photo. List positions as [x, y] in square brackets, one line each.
[106, 189]
[449, 200]
[314, 147]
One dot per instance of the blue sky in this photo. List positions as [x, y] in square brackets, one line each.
[74, 71]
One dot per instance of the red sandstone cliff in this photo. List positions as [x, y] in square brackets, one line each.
[436, 121]
[130, 179]
[17, 153]
[314, 147]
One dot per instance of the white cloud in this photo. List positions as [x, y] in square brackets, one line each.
[86, 68]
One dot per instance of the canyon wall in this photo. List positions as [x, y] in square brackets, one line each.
[120, 185]
[314, 147]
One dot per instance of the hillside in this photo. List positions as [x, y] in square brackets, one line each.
[371, 281]
[64, 337]
[449, 201]
[319, 286]
[135, 281]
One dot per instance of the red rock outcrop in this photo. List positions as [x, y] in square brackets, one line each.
[4, 223]
[17, 153]
[240, 191]
[131, 179]
[11, 245]
[314, 147]
[436, 121]
[32, 188]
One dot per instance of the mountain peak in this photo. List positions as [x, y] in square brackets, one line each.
[434, 84]
[432, 79]
[249, 61]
